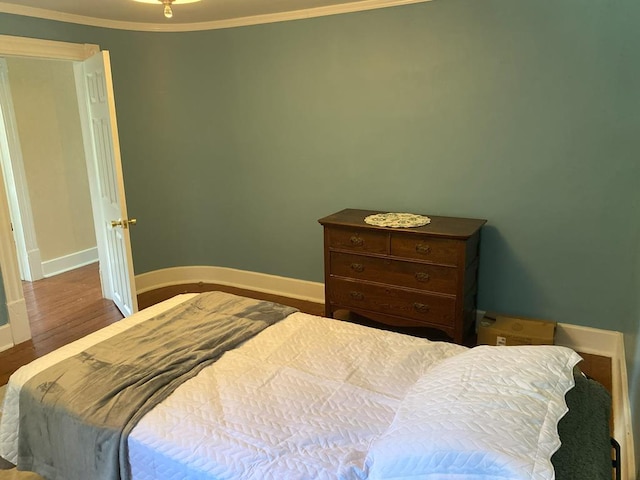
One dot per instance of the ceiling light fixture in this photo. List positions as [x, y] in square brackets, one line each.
[167, 8]
[167, 4]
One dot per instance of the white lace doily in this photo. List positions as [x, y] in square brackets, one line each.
[397, 220]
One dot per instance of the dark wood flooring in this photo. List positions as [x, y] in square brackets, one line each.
[70, 305]
[61, 309]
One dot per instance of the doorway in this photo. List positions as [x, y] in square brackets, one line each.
[97, 113]
[45, 174]
[44, 167]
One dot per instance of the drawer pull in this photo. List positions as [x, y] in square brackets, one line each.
[357, 295]
[422, 277]
[357, 241]
[420, 307]
[357, 267]
[423, 248]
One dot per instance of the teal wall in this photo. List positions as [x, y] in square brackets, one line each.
[234, 142]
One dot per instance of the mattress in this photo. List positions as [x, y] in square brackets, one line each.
[312, 397]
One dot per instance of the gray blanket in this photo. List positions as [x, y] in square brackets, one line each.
[76, 415]
[585, 452]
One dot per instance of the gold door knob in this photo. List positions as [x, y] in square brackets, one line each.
[123, 223]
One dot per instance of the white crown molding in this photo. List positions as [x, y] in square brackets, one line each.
[209, 25]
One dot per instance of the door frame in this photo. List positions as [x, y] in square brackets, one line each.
[17, 192]
[18, 330]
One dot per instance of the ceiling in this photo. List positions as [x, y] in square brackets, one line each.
[203, 15]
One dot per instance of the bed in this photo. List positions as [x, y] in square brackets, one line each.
[215, 386]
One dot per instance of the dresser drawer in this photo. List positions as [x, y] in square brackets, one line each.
[358, 240]
[423, 307]
[437, 250]
[421, 276]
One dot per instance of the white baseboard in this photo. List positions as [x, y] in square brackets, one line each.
[6, 339]
[35, 264]
[20, 329]
[260, 282]
[69, 262]
[589, 340]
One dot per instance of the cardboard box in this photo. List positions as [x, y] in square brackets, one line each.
[496, 329]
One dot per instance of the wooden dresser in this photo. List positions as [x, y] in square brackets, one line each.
[403, 277]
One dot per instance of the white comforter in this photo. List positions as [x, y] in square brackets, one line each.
[314, 398]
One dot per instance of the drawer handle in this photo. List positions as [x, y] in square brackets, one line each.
[357, 295]
[422, 277]
[357, 267]
[357, 241]
[423, 248]
[420, 307]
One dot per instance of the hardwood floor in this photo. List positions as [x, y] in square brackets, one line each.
[61, 309]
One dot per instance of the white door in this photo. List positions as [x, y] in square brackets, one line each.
[106, 182]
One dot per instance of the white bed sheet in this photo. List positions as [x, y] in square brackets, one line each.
[302, 400]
